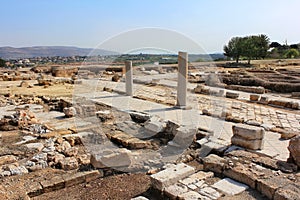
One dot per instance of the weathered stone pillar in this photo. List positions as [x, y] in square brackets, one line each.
[182, 79]
[129, 78]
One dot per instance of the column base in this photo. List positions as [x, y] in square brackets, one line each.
[183, 107]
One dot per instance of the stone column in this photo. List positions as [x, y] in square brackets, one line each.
[128, 78]
[182, 79]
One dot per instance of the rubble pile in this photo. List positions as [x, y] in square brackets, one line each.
[17, 76]
[22, 119]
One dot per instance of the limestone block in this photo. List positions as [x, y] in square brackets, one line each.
[248, 144]
[171, 175]
[248, 132]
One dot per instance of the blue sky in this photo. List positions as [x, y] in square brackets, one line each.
[86, 23]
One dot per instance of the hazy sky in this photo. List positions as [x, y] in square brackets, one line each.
[87, 23]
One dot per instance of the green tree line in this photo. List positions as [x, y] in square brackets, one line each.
[250, 47]
[284, 50]
[259, 47]
[2, 63]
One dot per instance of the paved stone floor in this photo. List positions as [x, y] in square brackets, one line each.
[274, 146]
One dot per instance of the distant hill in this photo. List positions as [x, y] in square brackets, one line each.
[49, 51]
[64, 51]
[205, 57]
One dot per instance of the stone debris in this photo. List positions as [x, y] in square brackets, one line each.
[214, 163]
[68, 163]
[26, 138]
[23, 118]
[18, 170]
[7, 159]
[155, 125]
[139, 117]
[69, 112]
[104, 115]
[35, 146]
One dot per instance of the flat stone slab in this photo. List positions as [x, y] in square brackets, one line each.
[248, 132]
[230, 187]
[171, 175]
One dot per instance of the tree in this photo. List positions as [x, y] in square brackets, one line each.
[275, 45]
[263, 42]
[252, 47]
[234, 48]
[2, 63]
[294, 46]
[292, 53]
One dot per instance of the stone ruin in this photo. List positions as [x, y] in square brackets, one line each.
[206, 168]
[62, 71]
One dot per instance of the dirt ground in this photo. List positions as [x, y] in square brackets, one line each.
[122, 187]
[57, 90]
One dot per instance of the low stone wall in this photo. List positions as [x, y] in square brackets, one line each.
[250, 89]
[265, 180]
[62, 181]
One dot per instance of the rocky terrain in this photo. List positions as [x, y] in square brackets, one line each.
[71, 133]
